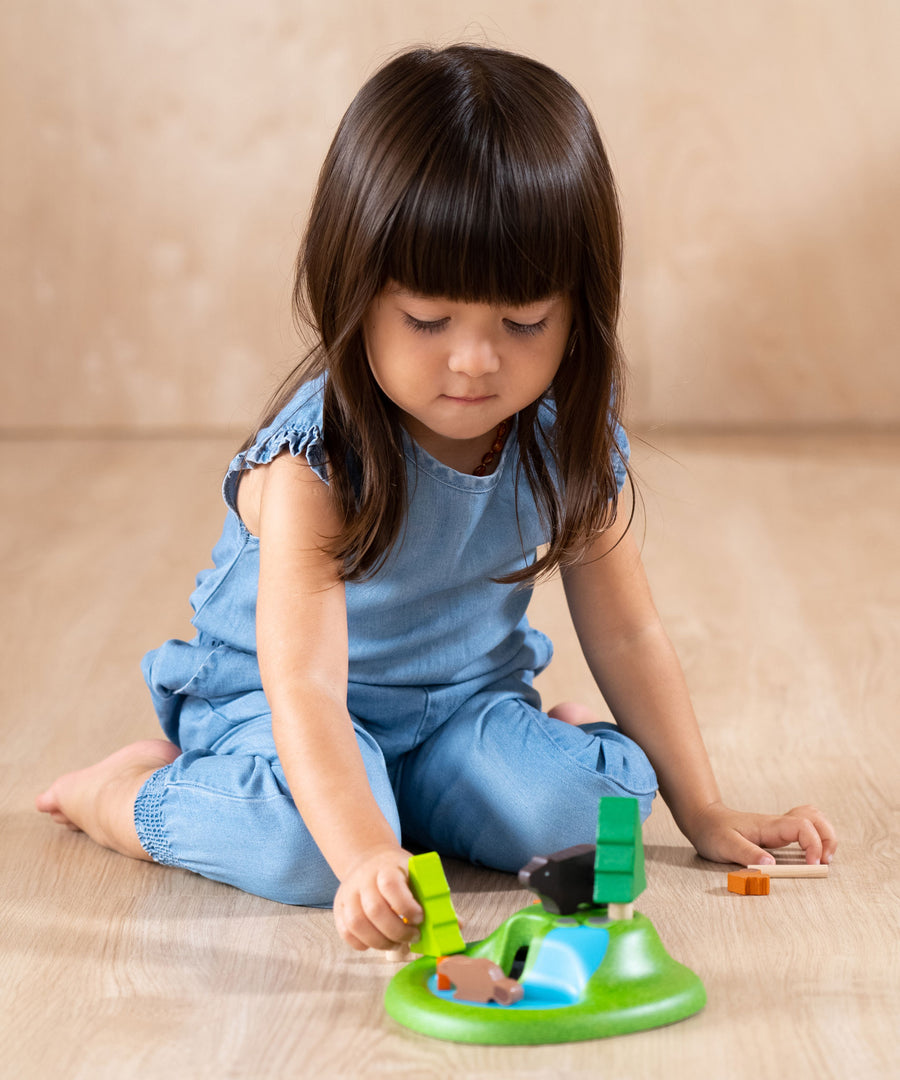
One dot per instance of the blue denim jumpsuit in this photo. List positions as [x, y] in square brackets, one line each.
[458, 752]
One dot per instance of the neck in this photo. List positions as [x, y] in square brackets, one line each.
[463, 455]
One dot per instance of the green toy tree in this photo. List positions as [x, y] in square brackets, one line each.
[619, 860]
[439, 933]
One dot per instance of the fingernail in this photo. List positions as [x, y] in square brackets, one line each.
[767, 860]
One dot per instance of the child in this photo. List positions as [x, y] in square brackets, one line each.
[363, 662]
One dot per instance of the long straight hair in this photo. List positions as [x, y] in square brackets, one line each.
[478, 175]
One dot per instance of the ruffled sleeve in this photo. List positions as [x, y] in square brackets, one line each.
[298, 427]
[620, 456]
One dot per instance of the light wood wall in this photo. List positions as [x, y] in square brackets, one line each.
[158, 160]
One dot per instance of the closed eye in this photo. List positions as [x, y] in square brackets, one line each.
[525, 329]
[422, 326]
[434, 326]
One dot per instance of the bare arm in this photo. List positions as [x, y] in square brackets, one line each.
[640, 677]
[302, 644]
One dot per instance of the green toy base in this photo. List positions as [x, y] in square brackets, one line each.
[596, 977]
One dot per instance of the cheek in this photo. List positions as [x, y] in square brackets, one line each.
[546, 365]
[410, 364]
[375, 356]
[398, 372]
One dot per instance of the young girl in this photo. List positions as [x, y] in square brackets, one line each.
[363, 662]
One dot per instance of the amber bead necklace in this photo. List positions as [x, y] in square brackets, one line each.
[496, 448]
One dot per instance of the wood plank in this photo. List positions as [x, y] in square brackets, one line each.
[775, 569]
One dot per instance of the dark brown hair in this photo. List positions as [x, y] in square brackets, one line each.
[478, 175]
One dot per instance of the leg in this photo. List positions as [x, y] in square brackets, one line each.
[99, 800]
[229, 816]
[501, 781]
[225, 813]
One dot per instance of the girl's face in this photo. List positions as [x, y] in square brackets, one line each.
[456, 370]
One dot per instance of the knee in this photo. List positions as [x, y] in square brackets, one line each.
[519, 797]
[555, 817]
[602, 762]
[624, 769]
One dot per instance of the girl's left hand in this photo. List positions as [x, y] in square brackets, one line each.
[725, 835]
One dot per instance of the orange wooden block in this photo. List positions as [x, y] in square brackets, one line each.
[748, 883]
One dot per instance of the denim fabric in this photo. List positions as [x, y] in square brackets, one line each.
[458, 752]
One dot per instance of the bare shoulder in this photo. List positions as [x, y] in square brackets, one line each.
[285, 478]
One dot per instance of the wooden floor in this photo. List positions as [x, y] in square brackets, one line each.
[776, 568]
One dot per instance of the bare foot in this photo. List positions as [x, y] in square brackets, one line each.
[571, 712]
[99, 800]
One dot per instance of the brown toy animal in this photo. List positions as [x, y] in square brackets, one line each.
[478, 979]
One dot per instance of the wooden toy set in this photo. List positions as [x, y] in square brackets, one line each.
[578, 963]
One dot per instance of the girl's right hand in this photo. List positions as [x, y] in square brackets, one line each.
[374, 908]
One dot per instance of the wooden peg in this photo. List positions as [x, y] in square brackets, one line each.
[792, 869]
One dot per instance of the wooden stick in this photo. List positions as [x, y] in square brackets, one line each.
[792, 869]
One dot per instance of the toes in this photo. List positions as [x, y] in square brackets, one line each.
[46, 802]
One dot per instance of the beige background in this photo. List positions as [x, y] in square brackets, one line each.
[158, 160]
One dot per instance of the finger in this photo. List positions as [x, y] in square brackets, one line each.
[383, 919]
[358, 927]
[796, 827]
[829, 840]
[354, 942]
[395, 890]
[745, 853]
[808, 838]
[360, 915]
[823, 827]
[347, 936]
[778, 830]
[362, 928]
[793, 828]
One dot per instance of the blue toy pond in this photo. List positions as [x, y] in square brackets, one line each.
[566, 960]
[584, 977]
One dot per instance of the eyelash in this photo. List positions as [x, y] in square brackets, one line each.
[421, 326]
[526, 329]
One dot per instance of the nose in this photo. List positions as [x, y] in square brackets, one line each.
[474, 357]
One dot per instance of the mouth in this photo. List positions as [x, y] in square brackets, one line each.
[469, 400]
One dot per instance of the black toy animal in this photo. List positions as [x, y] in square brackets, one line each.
[563, 881]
